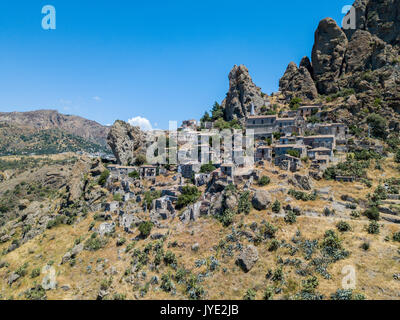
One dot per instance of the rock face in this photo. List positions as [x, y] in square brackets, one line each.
[297, 82]
[365, 59]
[126, 142]
[261, 200]
[328, 55]
[241, 95]
[247, 258]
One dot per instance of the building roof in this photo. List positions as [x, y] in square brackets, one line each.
[320, 137]
[289, 146]
[262, 117]
[320, 149]
[285, 119]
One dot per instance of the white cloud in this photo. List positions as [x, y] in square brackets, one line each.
[141, 122]
[97, 98]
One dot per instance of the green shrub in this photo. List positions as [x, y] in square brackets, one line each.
[95, 243]
[207, 168]
[134, 174]
[264, 180]
[343, 226]
[396, 237]
[166, 282]
[145, 228]
[269, 293]
[250, 295]
[397, 156]
[290, 217]
[190, 194]
[378, 125]
[372, 213]
[170, 258]
[140, 160]
[273, 245]
[276, 207]
[373, 228]
[103, 177]
[244, 205]
[226, 218]
[35, 273]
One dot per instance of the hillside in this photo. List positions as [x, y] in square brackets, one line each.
[51, 119]
[20, 139]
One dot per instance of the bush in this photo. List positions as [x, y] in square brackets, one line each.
[294, 153]
[373, 228]
[35, 273]
[95, 243]
[372, 213]
[269, 293]
[170, 258]
[396, 237]
[250, 295]
[166, 282]
[140, 160]
[365, 246]
[226, 218]
[244, 205]
[343, 226]
[397, 156]
[273, 245]
[276, 207]
[290, 217]
[103, 177]
[189, 195]
[299, 195]
[295, 103]
[207, 168]
[378, 125]
[145, 228]
[134, 174]
[264, 181]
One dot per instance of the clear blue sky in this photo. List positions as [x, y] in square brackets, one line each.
[162, 60]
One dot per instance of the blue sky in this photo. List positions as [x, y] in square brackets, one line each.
[161, 60]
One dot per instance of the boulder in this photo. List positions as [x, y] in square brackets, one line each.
[247, 258]
[261, 200]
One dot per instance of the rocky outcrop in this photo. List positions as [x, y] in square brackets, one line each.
[242, 94]
[297, 82]
[261, 200]
[247, 258]
[126, 142]
[328, 55]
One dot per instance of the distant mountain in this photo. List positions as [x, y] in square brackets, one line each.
[51, 119]
[19, 139]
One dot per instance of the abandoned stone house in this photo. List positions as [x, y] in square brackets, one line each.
[228, 170]
[163, 207]
[339, 130]
[318, 152]
[111, 206]
[117, 170]
[189, 169]
[325, 141]
[282, 149]
[263, 153]
[308, 111]
[148, 171]
[287, 162]
[192, 124]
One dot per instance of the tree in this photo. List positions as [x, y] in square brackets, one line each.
[264, 181]
[276, 207]
[378, 125]
[134, 174]
[140, 160]
[207, 168]
[217, 112]
[206, 117]
[294, 153]
[189, 195]
[145, 228]
[103, 177]
[295, 103]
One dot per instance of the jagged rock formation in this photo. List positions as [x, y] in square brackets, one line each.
[297, 82]
[366, 60]
[241, 95]
[126, 142]
[51, 119]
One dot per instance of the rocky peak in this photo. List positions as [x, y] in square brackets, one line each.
[297, 82]
[126, 142]
[241, 95]
[328, 55]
